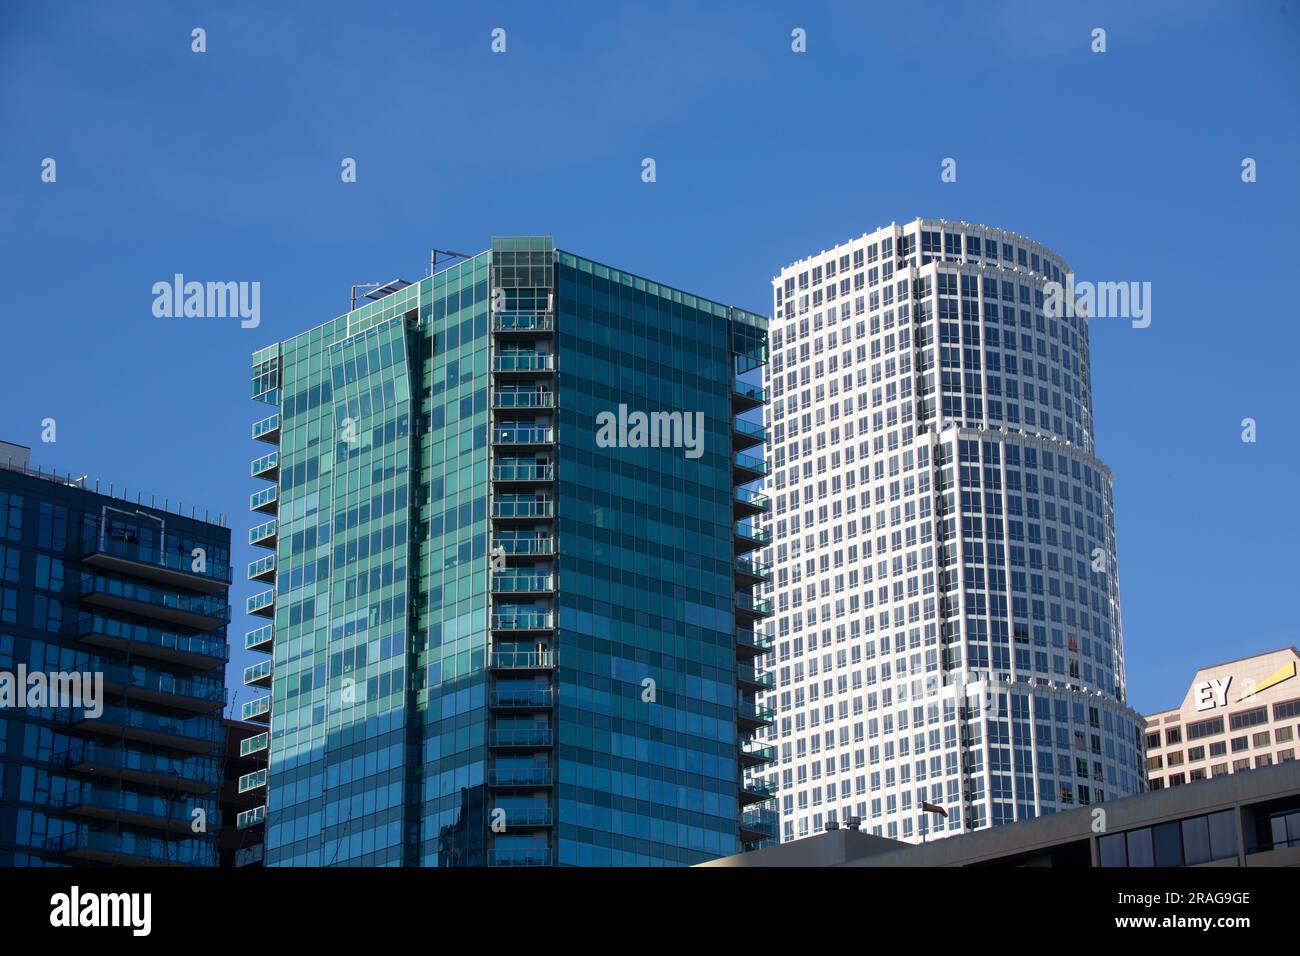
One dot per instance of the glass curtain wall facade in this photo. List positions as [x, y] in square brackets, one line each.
[104, 588]
[469, 592]
[947, 618]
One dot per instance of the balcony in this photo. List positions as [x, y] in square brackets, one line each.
[258, 711]
[199, 694]
[751, 716]
[251, 818]
[509, 399]
[527, 324]
[745, 396]
[527, 818]
[268, 467]
[523, 583]
[252, 781]
[268, 429]
[749, 608]
[263, 569]
[749, 538]
[199, 734]
[128, 807]
[203, 651]
[750, 572]
[747, 503]
[748, 467]
[751, 643]
[129, 557]
[149, 768]
[262, 603]
[519, 778]
[260, 639]
[530, 547]
[746, 434]
[263, 535]
[758, 825]
[521, 619]
[258, 675]
[527, 472]
[250, 855]
[201, 612]
[266, 501]
[524, 508]
[511, 660]
[131, 849]
[754, 754]
[521, 698]
[259, 743]
[524, 362]
[521, 856]
[757, 791]
[753, 680]
[519, 436]
[519, 738]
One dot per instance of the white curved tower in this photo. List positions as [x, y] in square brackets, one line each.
[946, 621]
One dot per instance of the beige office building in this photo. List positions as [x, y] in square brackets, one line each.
[1235, 716]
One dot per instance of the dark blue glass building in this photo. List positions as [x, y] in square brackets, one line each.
[113, 616]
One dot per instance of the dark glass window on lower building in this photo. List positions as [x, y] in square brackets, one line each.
[1189, 842]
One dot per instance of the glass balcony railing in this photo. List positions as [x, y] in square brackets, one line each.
[259, 709]
[522, 471]
[524, 546]
[519, 777]
[527, 816]
[262, 603]
[266, 466]
[748, 674]
[199, 734]
[264, 500]
[198, 650]
[755, 713]
[750, 430]
[525, 619]
[521, 697]
[522, 322]
[196, 774]
[260, 639]
[195, 692]
[250, 855]
[752, 752]
[752, 499]
[263, 534]
[539, 736]
[523, 361]
[748, 604]
[255, 744]
[762, 789]
[268, 427]
[261, 568]
[522, 583]
[128, 847]
[751, 393]
[176, 564]
[520, 856]
[522, 398]
[207, 611]
[522, 660]
[754, 569]
[523, 435]
[753, 641]
[750, 463]
[251, 818]
[522, 507]
[147, 809]
[251, 781]
[258, 675]
[751, 533]
[759, 824]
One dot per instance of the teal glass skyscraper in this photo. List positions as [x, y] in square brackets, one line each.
[510, 618]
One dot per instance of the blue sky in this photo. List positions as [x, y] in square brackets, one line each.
[226, 166]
